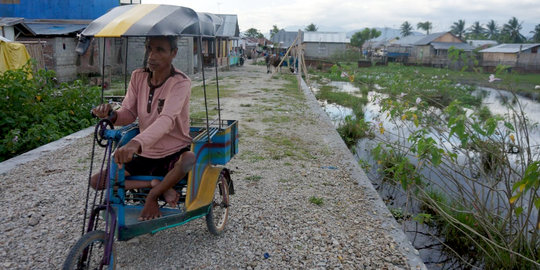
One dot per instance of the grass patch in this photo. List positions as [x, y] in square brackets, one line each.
[253, 178]
[316, 200]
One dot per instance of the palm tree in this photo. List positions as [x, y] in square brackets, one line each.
[511, 31]
[426, 26]
[492, 30]
[476, 31]
[458, 28]
[536, 34]
[406, 29]
[311, 28]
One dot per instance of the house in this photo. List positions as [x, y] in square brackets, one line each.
[400, 49]
[282, 40]
[520, 57]
[377, 47]
[228, 36]
[50, 34]
[323, 45]
[11, 25]
[56, 9]
[52, 44]
[433, 49]
[252, 45]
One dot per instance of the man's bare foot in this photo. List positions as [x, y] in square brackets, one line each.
[170, 195]
[150, 210]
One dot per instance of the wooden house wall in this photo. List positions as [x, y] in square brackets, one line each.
[527, 60]
[448, 38]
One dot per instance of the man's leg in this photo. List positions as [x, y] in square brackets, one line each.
[99, 184]
[180, 169]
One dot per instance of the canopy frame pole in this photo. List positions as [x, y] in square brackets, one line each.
[103, 71]
[199, 50]
[126, 66]
[217, 84]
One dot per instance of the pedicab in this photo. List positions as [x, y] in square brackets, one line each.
[112, 214]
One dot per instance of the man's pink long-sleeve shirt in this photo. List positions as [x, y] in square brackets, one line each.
[165, 130]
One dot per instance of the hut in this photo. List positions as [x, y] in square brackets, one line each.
[519, 57]
[323, 45]
[432, 49]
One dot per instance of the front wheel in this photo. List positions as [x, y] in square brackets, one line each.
[219, 208]
[89, 253]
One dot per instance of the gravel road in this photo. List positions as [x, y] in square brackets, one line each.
[290, 157]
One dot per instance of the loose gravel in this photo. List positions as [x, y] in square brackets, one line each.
[301, 200]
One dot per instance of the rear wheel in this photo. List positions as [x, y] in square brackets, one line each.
[88, 253]
[216, 219]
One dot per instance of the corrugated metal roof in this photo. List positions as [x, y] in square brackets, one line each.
[229, 28]
[326, 37]
[429, 38]
[407, 41]
[509, 48]
[480, 42]
[285, 38]
[447, 45]
[10, 21]
[55, 29]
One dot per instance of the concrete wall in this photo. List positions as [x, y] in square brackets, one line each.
[65, 58]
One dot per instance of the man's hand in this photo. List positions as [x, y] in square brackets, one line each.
[125, 153]
[102, 111]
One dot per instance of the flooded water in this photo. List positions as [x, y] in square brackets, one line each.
[425, 238]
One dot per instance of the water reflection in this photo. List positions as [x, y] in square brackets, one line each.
[337, 113]
[423, 237]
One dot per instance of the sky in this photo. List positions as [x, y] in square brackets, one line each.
[351, 15]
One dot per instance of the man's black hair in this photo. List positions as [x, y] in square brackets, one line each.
[173, 40]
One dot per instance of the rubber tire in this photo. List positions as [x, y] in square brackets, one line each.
[86, 241]
[222, 194]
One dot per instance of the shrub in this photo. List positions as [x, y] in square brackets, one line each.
[36, 110]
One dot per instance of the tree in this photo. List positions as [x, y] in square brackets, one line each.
[406, 29]
[311, 28]
[458, 28]
[426, 26]
[536, 34]
[492, 30]
[274, 30]
[511, 32]
[252, 32]
[359, 38]
[476, 31]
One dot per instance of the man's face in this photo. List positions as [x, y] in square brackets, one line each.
[160, 55]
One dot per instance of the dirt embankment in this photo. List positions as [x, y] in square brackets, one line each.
[300, 198]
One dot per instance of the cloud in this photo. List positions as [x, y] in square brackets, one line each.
[351, 15]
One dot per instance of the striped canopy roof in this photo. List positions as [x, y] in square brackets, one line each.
[152, 20]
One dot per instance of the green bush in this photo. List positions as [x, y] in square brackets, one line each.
[36, 110]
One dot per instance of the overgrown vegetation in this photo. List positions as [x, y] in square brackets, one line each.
[476, 174]
[36, 110]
